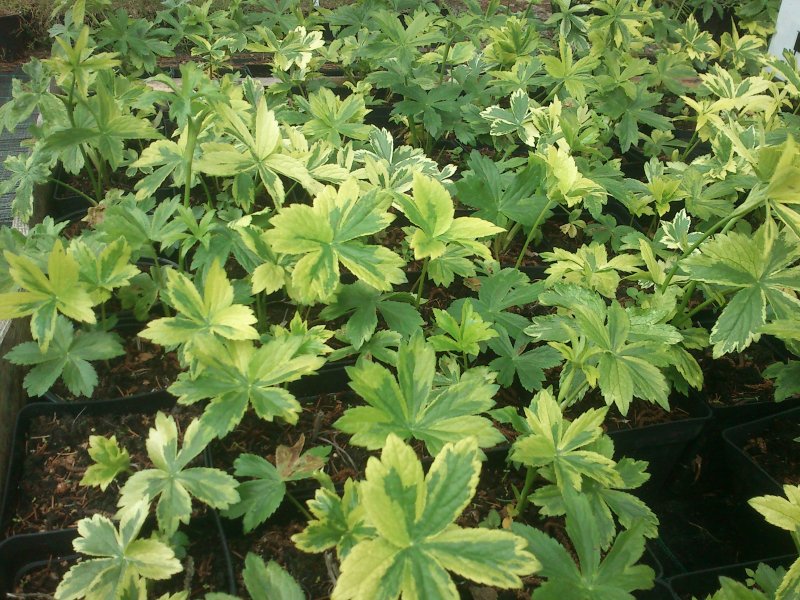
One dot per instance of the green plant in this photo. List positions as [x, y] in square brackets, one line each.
[595, 577]
[328, 233]
[172, 480]
[262, 495]
[410, 405]
[110, 460]
[235, 375]
[66, 356]
[443, 242]
[621, 351]
[121, 562]
[412, 515]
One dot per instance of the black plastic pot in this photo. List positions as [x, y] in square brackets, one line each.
[22, 553]
[751, 477]
[662, 444]
[699, 584]
[660, 591]
[135, 404]
[14, 36]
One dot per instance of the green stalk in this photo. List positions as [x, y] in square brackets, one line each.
[510, 235]
[422, 281]
[84, 195]
[191, 142]
[700, 307]
[522, 502]
[299, 506]
[693, 141]
[532, 232]
[727, 222]
[445, 57]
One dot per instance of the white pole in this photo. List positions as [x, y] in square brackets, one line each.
[787, 30]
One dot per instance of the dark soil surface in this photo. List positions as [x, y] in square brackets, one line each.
[56, 457]
[203, 562]
[776, 450]
[736, 379]
[145, 367]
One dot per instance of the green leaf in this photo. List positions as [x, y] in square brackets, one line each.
[120, 559]
[110, 461]
[409, 405]
[171, 481]
[68, 357]
[555, 442]
[461, 337]
[44, 296]
[235, 375]
[327, 233]
[269, 581]
[201, 318]
[596, 577]
[415, 541]
[331, 119]
[338, 522]
[104, 270]
[258, 498]
[261, 497]
[431, 210]
[529, 366]
[758, 269]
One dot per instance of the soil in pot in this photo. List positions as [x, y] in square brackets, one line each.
[774, 449]
[203, 560]
[145, 367]
[49, 495]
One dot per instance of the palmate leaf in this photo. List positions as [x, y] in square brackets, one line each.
[44, 296]
[430, 209]
[464, 336]
[609, 347]
[497, 293]
[363, 303]
[327, 233]
[106, 269]
[235, 375]
[201, 318]
[171, 481]
[409, 406]
[559, 444]
[259, 151]
[262, 495]
[607, 502]
[120, 559]
[67, 356]
[24, 173]
[110, 460]
[759, 270]
[595, 577]
[331, 119]
[415, 541]
[339, 523]
[528, 365]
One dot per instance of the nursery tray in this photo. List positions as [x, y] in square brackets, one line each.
[135, 404]
[751, 476]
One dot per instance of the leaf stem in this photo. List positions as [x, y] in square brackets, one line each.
[299, 506]
[522, 501]
[83, 195]
[422, 281]
[532, 232]
[724, 222]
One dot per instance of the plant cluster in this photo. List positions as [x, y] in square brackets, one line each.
[579, 191]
